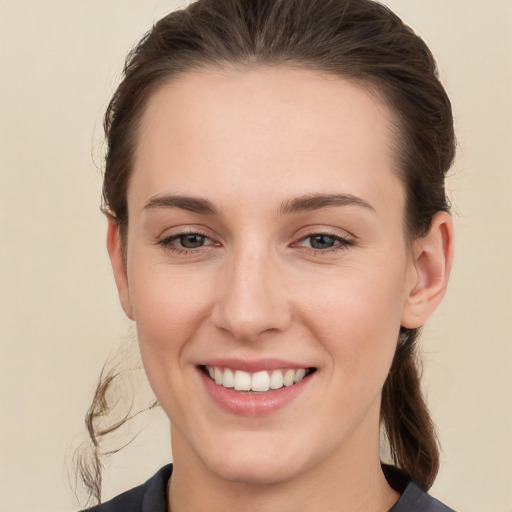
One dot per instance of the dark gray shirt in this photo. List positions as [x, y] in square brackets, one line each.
[152, 497]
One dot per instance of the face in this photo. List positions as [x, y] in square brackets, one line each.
[266, 251]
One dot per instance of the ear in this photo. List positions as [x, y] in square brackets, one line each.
[430, 269]
[118, 265]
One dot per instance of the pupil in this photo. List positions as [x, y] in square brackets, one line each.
[191, 241]
[322, 242]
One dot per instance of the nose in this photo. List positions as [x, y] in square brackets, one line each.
[252, 297]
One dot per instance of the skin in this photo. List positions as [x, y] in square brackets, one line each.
[251, 142]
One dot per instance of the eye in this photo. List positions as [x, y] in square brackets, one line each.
[324, 242]
[183, 242]
[321, 241]
[191, 240]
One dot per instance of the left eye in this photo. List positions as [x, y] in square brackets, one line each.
[322, 241]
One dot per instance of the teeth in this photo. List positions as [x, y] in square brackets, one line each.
[276, 379]
[299, 375]
[260, 381]
[242, 381]
[228, 380]
[289, 377]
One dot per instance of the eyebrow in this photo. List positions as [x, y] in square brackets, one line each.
[192, 204]
[311, 202]
[305, 203]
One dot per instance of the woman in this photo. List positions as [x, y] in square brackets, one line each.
[279, 231]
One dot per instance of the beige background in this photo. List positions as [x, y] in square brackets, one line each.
[59, 62]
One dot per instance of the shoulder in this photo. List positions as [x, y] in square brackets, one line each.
[148, 497]
[414, 499]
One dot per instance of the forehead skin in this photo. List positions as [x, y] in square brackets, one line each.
[261, 131]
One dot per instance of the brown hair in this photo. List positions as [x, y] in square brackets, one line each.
[360, 40]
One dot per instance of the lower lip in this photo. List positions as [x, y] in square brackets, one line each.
[253, 404]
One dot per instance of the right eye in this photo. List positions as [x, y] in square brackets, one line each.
[185, 242]
[191, 240]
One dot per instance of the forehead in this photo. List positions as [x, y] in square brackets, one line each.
[264, 130]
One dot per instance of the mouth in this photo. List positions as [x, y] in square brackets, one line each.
[263, 381]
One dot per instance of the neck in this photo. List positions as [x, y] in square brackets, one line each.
[345, 482]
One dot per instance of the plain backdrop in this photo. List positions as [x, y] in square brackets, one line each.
[60, 60]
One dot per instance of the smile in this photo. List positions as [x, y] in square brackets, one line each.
[260, 381]
[255, 388]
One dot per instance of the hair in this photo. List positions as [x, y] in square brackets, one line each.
[359, 40]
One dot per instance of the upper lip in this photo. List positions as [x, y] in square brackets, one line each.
[254, 365]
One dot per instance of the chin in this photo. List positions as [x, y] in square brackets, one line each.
[259, 463]
[255, 472]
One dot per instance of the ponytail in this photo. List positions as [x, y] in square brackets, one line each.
[122, 395]
[405, 416]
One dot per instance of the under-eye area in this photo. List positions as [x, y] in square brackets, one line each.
[261, 381]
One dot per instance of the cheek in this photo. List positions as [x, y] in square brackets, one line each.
[169, 309]
[167, 304]
[356, 315]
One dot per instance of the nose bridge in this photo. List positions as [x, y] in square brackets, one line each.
[251, 300]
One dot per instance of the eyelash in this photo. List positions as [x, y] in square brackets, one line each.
[341, 243]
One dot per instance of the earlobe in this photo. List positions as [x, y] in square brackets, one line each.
[118, 265]
[432, 259]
